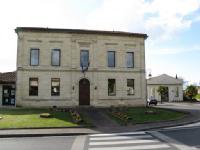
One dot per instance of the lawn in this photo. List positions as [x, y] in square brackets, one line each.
[30, 118]
[138, 115]
[197, 96]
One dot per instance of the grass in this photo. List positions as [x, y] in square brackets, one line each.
[197, 96]
[30, 118]
[139, 115]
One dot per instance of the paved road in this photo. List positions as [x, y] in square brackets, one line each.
[37, 143]
[181, 138]
[189, 136]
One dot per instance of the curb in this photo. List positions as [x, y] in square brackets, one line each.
[32, 128]
[168, 126]
[84, 133]
[39, 135]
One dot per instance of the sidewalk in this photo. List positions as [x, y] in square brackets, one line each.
[193, 116]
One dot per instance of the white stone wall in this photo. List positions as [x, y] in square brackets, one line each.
[69, 71]
[171, 92]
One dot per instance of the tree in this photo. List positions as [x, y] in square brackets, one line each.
[191, 91]
[161, 91]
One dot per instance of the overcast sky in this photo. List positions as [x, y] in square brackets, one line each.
[173, 27]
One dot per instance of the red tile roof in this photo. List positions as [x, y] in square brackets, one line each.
[8, 77]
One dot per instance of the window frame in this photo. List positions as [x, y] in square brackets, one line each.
[56, 49]
[114, 93]
[133, 65]
[58, 93]
[85, 50]
[31, 49]
[108, 59]
[131, 87]
[33, 79]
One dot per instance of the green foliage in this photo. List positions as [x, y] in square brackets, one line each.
[197, 96]
[191, 91]
[161, 90]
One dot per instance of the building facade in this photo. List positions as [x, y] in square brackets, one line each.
[70, 67]
[173, 88]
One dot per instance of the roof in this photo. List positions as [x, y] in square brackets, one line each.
[82, 31]
[164, 79]
[8, 77]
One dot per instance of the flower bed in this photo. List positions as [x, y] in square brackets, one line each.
[120, 115]
[76, 117]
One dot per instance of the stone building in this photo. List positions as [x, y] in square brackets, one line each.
[173, 86]
[7, 88]
[72, 67]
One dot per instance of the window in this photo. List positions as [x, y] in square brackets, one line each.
[55, 87]
[111, 87]
[130, 59]
[33, 87]
[55, 57]
[111, 58]
[34, 57]
[84, 58]
[130, 87]
[177, 92]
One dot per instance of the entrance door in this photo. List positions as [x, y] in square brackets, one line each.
[84, 92]
[8, 97]
[165, 95]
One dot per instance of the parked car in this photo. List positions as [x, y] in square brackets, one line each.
[152, 101]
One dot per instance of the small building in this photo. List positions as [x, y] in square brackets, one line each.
[72, 67]
[7, 88]
[173, 86]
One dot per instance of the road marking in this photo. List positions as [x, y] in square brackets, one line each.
[172, 142]
[118, 138]
[79, 143]
[114, 134]
[140, 147]
[123, 142]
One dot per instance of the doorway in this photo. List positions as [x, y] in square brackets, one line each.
[8, 97]
[165, 95]
[84, 92]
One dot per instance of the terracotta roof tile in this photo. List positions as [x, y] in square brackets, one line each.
[8, 77]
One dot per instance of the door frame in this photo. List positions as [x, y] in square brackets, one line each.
[11, 96]
[82, 101]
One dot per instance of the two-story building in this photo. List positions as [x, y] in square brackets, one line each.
[72, 67]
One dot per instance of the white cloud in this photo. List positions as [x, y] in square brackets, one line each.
[172, 50]
[170, 17]
[160, 19]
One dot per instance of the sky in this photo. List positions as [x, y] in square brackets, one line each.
[173, 27]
